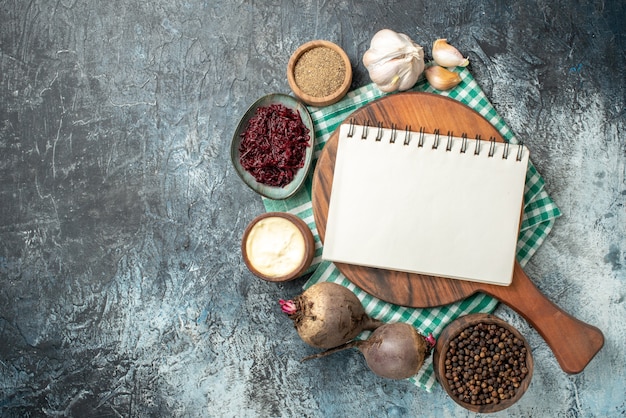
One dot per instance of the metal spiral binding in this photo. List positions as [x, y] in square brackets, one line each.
[365, 129]
[420, 142]
[492, 146]
[436, 141]
[477, 147]
[506, 151]
[379, 134]
[520, 151]
[394, 133]
[463, 143]
[351, 129]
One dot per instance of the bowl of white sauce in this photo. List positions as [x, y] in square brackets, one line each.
[277, 246]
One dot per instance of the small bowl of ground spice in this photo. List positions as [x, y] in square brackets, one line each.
[483, 363]
[319, 73]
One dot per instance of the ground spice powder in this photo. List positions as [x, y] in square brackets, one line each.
[320, 71]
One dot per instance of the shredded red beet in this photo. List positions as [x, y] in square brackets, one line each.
[273, 146]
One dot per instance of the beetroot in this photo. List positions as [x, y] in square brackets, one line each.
[393, 351]
[327, 315]
[273, 146]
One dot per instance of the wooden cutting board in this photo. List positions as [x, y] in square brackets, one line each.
[573, 342]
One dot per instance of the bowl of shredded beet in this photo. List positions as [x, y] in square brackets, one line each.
[272, 147]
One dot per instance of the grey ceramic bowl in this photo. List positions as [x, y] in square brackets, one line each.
[271, 192]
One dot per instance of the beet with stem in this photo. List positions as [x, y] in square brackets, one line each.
[327, 315]
[393, 351]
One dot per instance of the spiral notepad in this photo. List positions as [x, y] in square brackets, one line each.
[426, 202]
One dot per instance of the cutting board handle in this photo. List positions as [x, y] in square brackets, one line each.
[573, 342]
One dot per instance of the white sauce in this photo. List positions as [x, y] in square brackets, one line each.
[275, 246]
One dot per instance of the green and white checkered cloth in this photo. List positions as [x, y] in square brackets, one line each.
[540, 213]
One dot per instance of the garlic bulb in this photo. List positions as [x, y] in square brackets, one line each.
[394, 61]
[440, 78]
[446, 55]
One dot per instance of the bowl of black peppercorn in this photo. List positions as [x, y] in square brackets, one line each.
[483, 363]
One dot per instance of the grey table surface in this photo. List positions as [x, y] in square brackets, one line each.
[122, 288]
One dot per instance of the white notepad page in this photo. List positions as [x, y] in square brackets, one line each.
[439, 212]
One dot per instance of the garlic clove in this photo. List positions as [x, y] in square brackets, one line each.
[391, 44]
[446, 55]
[411, 74]
[441, 78]
[387, 74]
[388, 45]
[396, 74]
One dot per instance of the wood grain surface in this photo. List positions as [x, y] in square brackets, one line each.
[573, 342]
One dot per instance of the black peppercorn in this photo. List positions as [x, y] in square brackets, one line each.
[485, 364]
